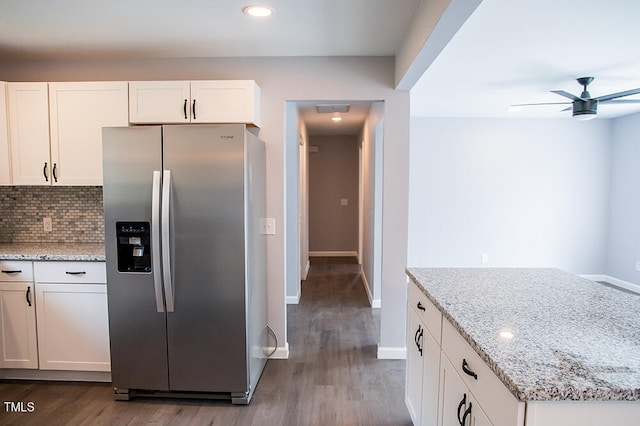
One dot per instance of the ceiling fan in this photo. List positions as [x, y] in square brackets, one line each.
[585, 107]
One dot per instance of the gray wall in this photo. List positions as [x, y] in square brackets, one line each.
[282, 80]
[624, 224]
[333, 176]
[526, 192]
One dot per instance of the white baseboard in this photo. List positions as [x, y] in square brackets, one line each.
[292, 300]
[333, 254]
[392, 353]
[282, 352]
[374, 303]
[306, 270]
[614, 281]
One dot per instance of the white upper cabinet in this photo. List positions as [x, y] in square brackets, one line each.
[29, 133]
[78, 112]
[5, 153]
[225, 101]
[56, 130]
[159, 102]
[215, 101]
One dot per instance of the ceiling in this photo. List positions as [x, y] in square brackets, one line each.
[508, 52]
[81, 29]
[511, 52]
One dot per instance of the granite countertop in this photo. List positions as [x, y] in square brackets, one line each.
[52, 251]
[573, 339]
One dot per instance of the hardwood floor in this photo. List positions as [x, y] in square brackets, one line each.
[332, 376]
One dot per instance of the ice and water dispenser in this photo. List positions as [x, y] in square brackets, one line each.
[134, 246]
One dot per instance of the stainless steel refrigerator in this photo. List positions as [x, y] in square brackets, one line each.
[186, 260]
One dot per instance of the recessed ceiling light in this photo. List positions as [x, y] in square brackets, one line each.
[258, 11]
[336, 118]
[514, 108]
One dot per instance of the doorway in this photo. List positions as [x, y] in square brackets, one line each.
[364, 122]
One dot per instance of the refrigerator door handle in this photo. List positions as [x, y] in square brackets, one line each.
[155, 239]
[166, 239]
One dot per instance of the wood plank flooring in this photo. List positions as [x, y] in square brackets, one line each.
[332, 376]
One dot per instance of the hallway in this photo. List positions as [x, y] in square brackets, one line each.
[332, 376]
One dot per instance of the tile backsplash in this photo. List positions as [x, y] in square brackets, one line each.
[76, 214]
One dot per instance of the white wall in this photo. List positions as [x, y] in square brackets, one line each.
[304, 199]
[526, 192]
[624, 224]
[282, 80]
[372, 145]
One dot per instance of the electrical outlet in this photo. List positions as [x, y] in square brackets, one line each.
[485, 258]
[638, 265]
[46, 222]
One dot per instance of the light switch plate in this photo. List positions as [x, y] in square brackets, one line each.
[268, 226]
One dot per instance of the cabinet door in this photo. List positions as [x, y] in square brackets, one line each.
[73, 330]
[225, 101]
[430, 380]
[413, 386]
[78, 112]
[5, 153]
[159, 102]
[18, 343]
[454, 396]
[29, 133]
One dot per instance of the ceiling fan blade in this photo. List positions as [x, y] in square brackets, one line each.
[567, 109]
[567, 95]
[607, 98]
[624, 101]
[543, 103]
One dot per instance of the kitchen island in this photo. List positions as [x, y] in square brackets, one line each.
[567, 349]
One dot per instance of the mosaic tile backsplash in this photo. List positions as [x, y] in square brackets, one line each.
[76, 214]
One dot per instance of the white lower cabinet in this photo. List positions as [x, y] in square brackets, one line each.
[73, 329]
[18, 343]
[413, 385]
[423, 359]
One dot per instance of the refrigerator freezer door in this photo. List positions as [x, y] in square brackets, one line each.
[207, 332]
[137, 329]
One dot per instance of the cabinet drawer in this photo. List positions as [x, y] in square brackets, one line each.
[16, 270]
[70, 272]
[426, 310]
[496, 400]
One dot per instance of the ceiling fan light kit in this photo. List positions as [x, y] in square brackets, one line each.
[585, 107]
[585, 110]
